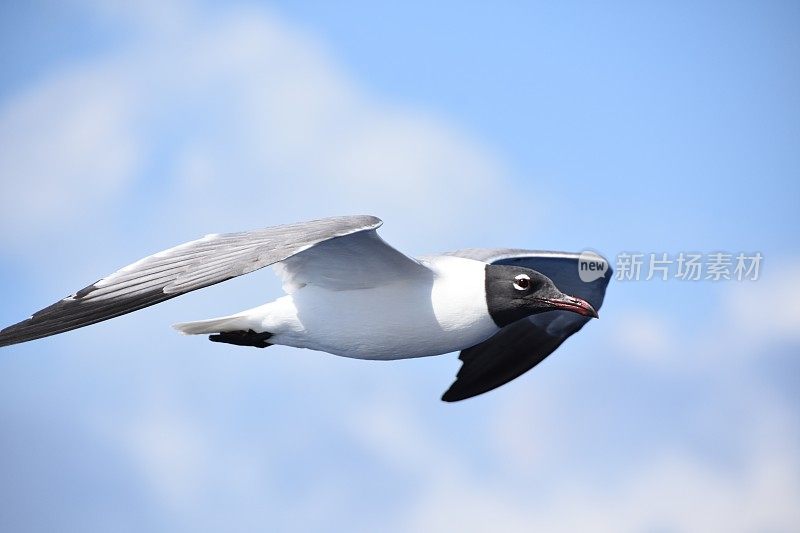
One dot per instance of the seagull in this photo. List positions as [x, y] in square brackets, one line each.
[351, 294]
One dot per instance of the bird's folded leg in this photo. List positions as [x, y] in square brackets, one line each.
[243, 338]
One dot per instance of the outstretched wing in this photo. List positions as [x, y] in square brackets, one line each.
[520, 346]
[213, 259]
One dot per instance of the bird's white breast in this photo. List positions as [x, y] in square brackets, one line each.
[401, 319]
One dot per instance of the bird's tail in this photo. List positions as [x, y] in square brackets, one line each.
[221, 324]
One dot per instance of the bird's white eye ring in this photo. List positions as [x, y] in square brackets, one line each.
[522, 282]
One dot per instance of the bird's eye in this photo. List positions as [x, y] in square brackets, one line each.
[522, 282]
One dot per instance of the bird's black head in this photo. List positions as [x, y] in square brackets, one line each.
[515, 292]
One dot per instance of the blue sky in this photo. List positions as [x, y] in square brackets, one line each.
[621, 127]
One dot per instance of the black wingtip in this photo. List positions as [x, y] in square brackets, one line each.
[9, 340]
[451, 396]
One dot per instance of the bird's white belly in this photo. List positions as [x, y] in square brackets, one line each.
[396, 321]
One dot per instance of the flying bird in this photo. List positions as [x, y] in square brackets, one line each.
[351, 294]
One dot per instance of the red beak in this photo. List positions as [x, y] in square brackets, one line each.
[575, 305]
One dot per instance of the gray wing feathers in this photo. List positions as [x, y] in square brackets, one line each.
[184, 268]
[360, 261]
[522, 345]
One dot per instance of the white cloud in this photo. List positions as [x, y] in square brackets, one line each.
[201, 475]
[768, 308]
[752, 317]
[673, 491]
[65, 147]
[644, 336]
[172, 452]
[521, 430]
[228, 120]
